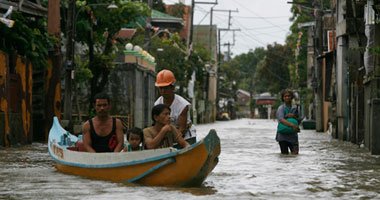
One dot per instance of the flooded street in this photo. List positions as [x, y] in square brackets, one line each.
[250, 167]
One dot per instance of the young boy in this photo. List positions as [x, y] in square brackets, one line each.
[135, 137]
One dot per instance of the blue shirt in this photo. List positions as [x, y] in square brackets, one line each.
[292, 138]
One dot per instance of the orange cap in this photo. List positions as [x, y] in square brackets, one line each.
[164, 78]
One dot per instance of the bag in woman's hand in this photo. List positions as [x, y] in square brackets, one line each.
[282, 128]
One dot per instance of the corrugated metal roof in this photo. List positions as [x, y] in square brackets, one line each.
[160, 17]
[243, 92]
[27, 7]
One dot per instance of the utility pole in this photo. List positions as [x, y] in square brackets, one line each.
[69, 65]
[229, 44]
[318, 51]
[229, 49]
[211, 17]
[193, 2]
[147, 26]
[190, 46]
[210, 31]
[219, 49]
[219, 62]
[192, 25]
[52, 105]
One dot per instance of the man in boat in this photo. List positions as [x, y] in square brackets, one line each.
[162, 134]
[103, 133]
[180, 108]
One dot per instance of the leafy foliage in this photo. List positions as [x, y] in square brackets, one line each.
[96, 27]
[27, 38]
[158, 5]
[229, 78]
[171, 54]
[273, 70]
[178, 10]
[248, 66]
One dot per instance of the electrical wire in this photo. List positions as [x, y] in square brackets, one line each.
[245, 7]
[203, 18]
[266, 27]
[260, 33]
[262, 18]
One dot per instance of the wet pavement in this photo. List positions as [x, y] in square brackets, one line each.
[250, 167]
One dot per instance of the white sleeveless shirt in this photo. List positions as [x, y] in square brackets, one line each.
[178, 104]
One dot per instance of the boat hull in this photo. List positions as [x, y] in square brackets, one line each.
[185, 167]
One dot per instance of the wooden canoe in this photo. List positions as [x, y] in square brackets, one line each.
[167, 166]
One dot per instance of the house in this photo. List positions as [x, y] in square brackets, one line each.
[22, 87]
[263, 105]
[344, 79]
[201, 35]
[185, 30]
[243, 99]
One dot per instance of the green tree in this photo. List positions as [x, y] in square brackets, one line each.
[229, 78]
[301, 14]
[158, 5]
[177, 10]
[248, 64]
[171, 53]
[273, 70]
[27, 38]
[96, 26]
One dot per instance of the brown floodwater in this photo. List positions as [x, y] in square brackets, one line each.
[250, 167]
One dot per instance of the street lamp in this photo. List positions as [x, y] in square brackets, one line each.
[112, 6]
[70, 51]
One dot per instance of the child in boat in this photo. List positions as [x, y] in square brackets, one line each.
[135, 139]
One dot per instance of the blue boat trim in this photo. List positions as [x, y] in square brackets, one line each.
[168, 161]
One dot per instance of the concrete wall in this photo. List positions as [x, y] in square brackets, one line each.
[133, 92]
[15, 100]
[371, 117]
[212, 97]
[341, 86]
[375, 126]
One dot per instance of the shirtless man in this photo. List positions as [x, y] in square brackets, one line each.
[103, 133]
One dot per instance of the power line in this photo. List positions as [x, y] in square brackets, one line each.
[250, 37]
[273, 60]
[266, 27]
[245, 7]
[203, 18]
[274, 74]
[247, 17]
[201, 9]
[260, 33]
[225, 33]
[262, 18]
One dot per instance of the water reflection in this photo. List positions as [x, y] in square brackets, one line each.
[196, 191]
[250, 167]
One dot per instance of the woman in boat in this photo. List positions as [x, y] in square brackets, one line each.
[135, 139]
[180, 108]
[162, 134]
[287, 110]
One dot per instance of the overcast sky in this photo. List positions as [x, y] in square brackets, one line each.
[261, 22]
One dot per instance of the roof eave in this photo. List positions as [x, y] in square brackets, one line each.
[26, 7]
[173, 21]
